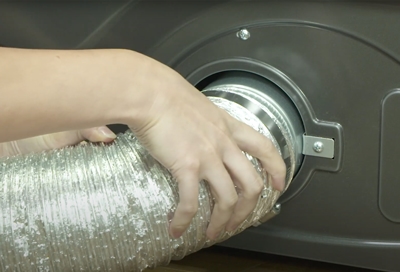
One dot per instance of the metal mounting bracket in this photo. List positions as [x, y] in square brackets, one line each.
[318, 147]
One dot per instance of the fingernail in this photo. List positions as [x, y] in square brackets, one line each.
[215, 236]
[281, 185]
[176, 233]
[232, 228]
[107, 132]
[278, 184]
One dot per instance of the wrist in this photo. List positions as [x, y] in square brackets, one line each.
[149, 85]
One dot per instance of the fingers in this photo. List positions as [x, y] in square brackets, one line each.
[222, 189]
[231, 208]
[66, 138]
[56, 140]
[188, 183]
[249, 185]
[225, 196]
[98, 134]
[262, 148]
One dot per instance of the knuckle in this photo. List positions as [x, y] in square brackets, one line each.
[268, 146]
[229, 203]
[189, 209]
[225, 130]
[222, 134]
[209, 150]
[181, 168]
[192, 164]
[256, 188]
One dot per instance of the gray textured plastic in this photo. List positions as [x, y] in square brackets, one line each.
[336, 60]
[389, 179]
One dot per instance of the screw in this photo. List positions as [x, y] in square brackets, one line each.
[277, 208]
[243, 34]
[318, 147]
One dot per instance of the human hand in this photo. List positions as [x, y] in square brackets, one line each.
[55, 140]
[196, 140]
[179, 126]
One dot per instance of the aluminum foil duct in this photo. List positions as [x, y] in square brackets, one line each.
[103, 207]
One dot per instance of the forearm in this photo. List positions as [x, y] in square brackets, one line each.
[45, 91]
[48, 91]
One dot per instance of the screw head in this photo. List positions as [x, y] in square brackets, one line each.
[318, 147]
[276, 209]
[243, 34]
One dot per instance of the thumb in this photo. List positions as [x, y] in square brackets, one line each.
[66, 138]
[98, 134]
[56, 140]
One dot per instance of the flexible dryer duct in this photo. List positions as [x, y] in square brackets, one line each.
[107, 207]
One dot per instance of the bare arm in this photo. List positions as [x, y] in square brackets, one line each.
[44, 91]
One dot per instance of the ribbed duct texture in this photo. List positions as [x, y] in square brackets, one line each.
[97, 207]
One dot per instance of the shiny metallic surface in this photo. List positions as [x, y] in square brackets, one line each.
[104, 207]
[271, 107]
[243, 34]
[338, 61]
[276, 209]
[318, 146]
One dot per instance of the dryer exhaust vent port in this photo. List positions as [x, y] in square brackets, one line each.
[270, 104]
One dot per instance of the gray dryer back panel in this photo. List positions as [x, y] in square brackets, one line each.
[338, 61]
